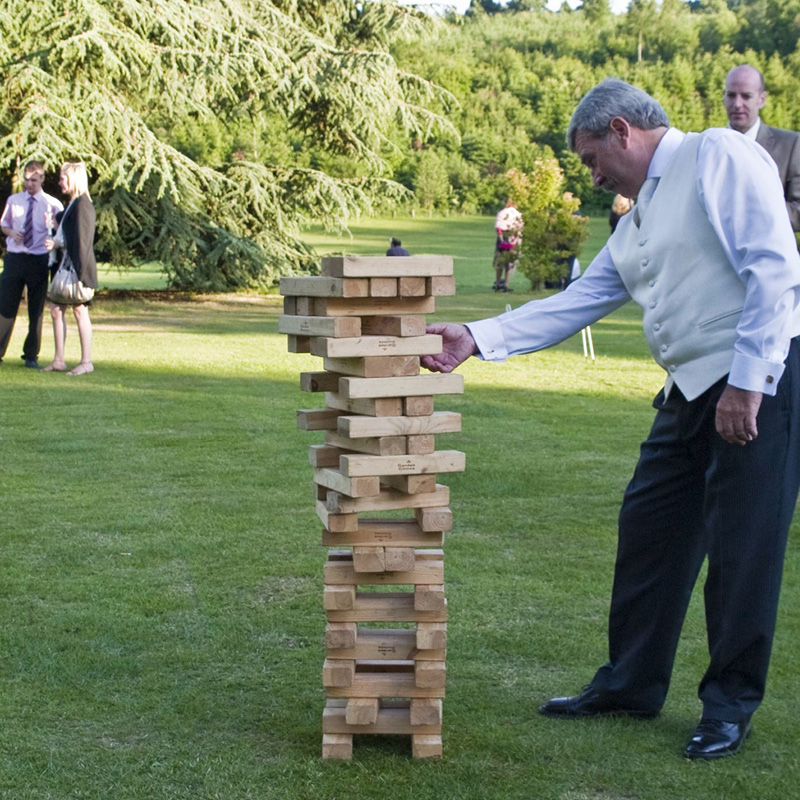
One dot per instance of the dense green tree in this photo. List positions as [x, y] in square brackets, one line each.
[136, 88]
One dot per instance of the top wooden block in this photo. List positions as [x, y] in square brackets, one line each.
[386, 266]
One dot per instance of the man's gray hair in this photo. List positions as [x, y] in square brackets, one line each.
[615, 98]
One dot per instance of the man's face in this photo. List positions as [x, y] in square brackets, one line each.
[743, 98]
[33, 182]
[611, 165]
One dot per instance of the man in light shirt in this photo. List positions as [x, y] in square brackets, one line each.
[719, 473]
[745, 95]
[27, 222]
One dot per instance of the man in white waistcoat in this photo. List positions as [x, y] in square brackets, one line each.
[718, 475]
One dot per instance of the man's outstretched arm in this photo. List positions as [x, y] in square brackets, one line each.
[457, 346]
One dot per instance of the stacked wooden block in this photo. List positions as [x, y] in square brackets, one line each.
[365, 318]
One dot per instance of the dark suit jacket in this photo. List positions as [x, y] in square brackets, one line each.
[79, 227]
[784, 147]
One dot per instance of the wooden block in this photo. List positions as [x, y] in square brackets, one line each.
[339, 598]
[426, 746]
[337, 746]
[397, 324]
[321, 286]
[439, 383]
[323, 455]
[362, 710]
[387, 532]
[383, 287]
[381, 445]
[289, 305]
[423, 572]
[343, 635]
[429, 598]
[373, 367]
[319, 381]
[428, 674]
[336, 672]
[418, 406]
[440, 461]
[410, 484]
[386, 607]
[317, 419]
[298, 344]
[393, 718]
[320, 493]
[441, 285]
[384, 684]
[366, 346]
[421, 445]
[304, 307]
[320, 325]
[399, 559]
[387, 500]
[431, 635]
[357, 307]
[439, 422]
[333, 521]
[374, 644]
[369, 559]
[352, 487]
[425, 711]
[412, 286]
[350, 266]
[434, 519]
[380, 407]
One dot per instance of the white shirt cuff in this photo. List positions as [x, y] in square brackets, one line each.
[755, 374]
[489, 339]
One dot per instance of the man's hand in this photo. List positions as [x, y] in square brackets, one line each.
[457, 346]
[736, 415]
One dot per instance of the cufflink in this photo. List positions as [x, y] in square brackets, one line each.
[770, 379]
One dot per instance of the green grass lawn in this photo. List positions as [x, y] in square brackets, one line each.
[160, 603]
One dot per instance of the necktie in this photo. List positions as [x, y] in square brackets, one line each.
[643, 200]
[27, 236]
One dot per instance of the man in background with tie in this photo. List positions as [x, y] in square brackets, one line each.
[718, 475]
[745, 95]
[27, 222]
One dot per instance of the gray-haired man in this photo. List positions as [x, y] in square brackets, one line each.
[718, 475]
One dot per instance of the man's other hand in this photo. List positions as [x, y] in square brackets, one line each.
[736, 415]
[457, 346]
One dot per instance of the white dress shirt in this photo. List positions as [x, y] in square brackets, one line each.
[734, 199]
[44, 211]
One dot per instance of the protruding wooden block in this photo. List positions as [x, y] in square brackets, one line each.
[441, 285]
[373, 367]
[371, 407]
[389, 325]
[322, 455]
[431, 635]
[320, 286]
[434, 519]
[421, 406]
[378, 345]
[337, 746]
[352, 487]
[429, 674]
[320, 325]
[426, 746]
[399, 559]
[429, 598]
[387, 500]
[369, 559]
[377, 446]
[413, 386]
[351, 266]
[336, 672]
[298, 344]
[358, 307]
[339, 598]
[343, 635]
[412, 286]
[319, 381]
[383, 287]
[410, 484]
[334, 520]
[421, 445]
[362, 710]
[426, 711]
[317, 419]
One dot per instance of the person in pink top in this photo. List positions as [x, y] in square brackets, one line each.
[508, 225]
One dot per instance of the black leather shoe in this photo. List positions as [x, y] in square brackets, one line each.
[32, 363]
[590, 703]
[715, 738]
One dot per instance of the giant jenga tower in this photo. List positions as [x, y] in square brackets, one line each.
[365, 318]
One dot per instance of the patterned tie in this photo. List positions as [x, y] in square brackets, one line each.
[27, 236]
[643, 200]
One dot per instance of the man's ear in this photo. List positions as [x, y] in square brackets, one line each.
[621, 128]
